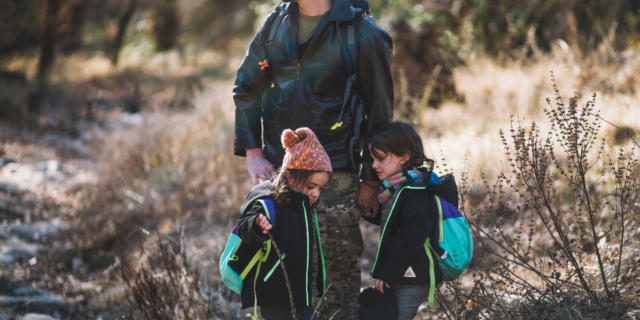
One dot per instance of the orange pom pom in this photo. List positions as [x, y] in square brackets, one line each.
[289, 139]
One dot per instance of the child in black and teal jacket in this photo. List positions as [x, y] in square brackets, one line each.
[294, 228]
[408, 216]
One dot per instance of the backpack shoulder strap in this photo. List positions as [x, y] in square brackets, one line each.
[437, 236]
[432, 272]
[350, 42]
[270, 209]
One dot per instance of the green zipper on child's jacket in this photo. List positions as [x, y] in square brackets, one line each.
[306, 279]
[384, 229]
[324, 270]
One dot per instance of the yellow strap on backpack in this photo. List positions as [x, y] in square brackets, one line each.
[255, 295]
[432, 273]
[261, 255]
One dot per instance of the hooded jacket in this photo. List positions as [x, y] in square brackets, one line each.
[413, 218]
[277, 87]
[295, 233]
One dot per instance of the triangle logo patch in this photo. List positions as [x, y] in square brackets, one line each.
[409, 273]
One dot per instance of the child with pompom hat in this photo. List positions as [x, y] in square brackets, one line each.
[306, 168]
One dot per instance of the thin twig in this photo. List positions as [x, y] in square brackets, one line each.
[286, 276]
[315, 311]
[631, 136]
[335, 313]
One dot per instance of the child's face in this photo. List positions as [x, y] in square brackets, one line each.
[312, 186]
[387, 164]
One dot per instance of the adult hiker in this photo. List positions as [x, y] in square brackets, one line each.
[325, 65]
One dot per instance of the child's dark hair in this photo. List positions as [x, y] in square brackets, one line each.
[399, 138]
[283, 185]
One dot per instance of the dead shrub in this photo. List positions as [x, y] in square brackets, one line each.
[555, 233]
[164, 286]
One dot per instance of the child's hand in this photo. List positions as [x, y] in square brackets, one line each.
[264, 224]
[380, 285]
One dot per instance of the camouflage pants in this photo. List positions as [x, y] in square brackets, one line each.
[338, 219]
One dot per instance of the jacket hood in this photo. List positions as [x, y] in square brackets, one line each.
[265, 189]
[445, 187]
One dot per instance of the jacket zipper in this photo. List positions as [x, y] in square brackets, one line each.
[324, 270]
[306, 279]
[395, 201]
[298, 67]
[299, 61]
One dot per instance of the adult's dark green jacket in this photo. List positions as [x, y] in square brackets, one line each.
[296, 236]
[307, 88]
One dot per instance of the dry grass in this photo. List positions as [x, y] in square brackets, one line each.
[168, 168]
[495, 91]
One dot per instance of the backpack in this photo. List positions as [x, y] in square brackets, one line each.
[454, 243]
[237, 260]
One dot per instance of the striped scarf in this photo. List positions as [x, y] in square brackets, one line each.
[391, 184]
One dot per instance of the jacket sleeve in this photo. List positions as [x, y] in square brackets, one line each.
[251, 81]
[376, 83]
[415, 225]
[248, 229]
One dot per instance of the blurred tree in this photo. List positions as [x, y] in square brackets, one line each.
[426, 46]
[216, 22]
[431, 37]
[502, 26]
[123, 23]
[166, 24]
[48, 41]
[73, 17]
[18, 32]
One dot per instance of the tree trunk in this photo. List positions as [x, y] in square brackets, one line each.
[123, 23]
[48, 41]
[73, 19]
[166, 24]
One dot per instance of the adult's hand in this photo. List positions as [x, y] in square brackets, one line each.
[368, 199]
[259, 168]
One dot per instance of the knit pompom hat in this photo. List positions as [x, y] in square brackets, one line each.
[304, 151]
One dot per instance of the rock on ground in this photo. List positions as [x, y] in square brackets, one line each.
[37, 316]
[25, 299]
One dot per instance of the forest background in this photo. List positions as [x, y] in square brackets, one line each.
[118, 186]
